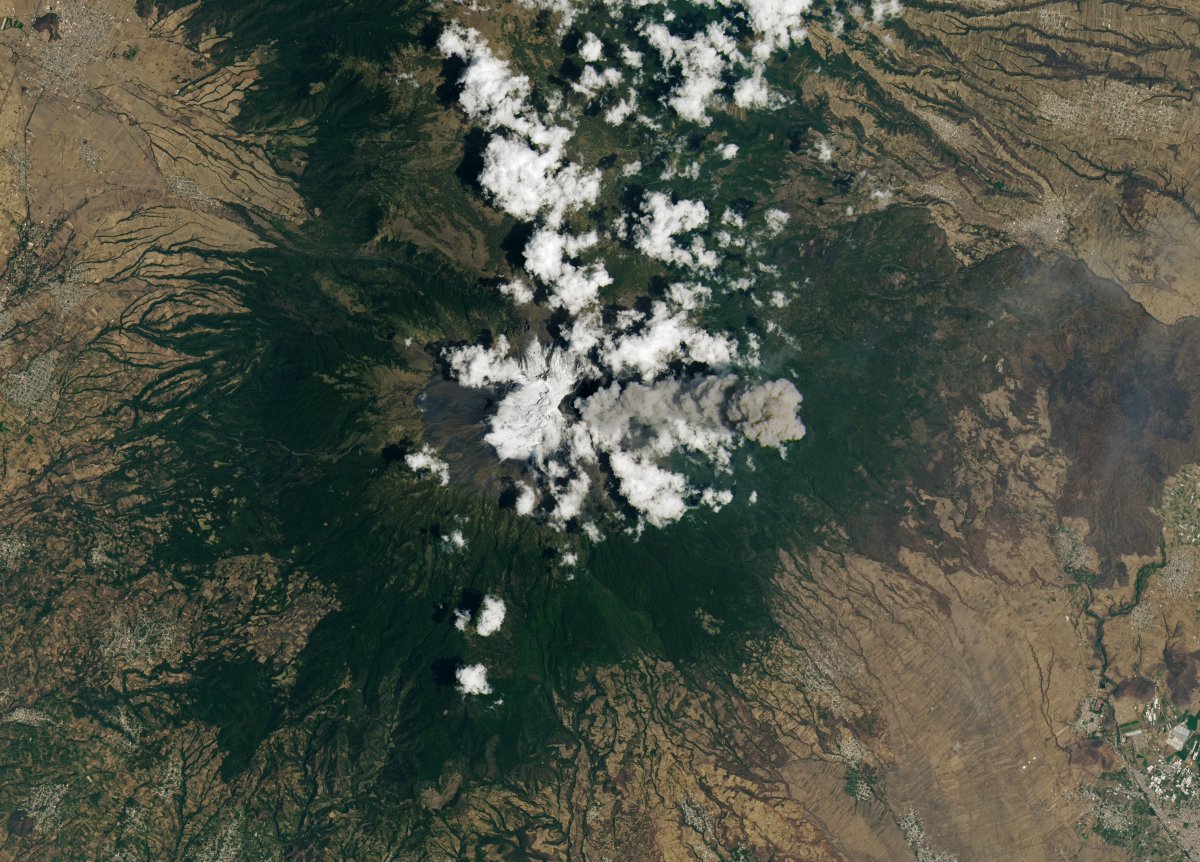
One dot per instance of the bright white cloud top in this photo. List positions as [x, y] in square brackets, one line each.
[427, 462]
[472, 679]
[598, 400]
[662, 219]
[490, 616]
[488, 619]
[525, 171]
[701, 61]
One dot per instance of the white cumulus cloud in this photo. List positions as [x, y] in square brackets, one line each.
[662, 220]
[527, 182]
[472, 679]
[752, 92]
[700, 62]
[667, 335]
[779, 23]
[881, 10]
[657, 493]
[490, 616]
[594, 398]
[591, 49]
[573, 287]
[427, 462]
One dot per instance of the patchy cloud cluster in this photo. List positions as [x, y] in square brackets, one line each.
[603, 394]
[472, 679]
[487, 620]
[525, 171]
[611, 396]
[426, 462]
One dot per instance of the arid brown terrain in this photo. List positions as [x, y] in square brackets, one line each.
[1057, 126]
[984, 663]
